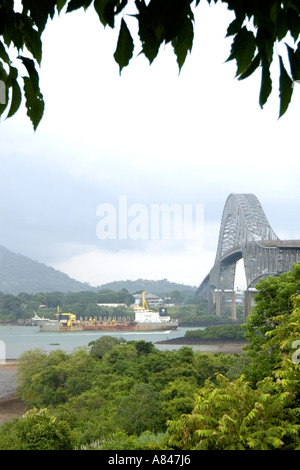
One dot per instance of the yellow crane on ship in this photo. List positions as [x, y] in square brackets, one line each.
[72, 317]
[144, 301]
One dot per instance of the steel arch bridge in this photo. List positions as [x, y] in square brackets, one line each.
[246, 233]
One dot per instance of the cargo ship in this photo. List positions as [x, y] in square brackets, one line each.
[59, 324]
[144, 320]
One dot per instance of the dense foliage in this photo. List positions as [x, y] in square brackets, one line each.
[232, 332]
[275, 302]
[257, 30]
[260, 409]
[115, 389]
[130, 395]
[23, 306]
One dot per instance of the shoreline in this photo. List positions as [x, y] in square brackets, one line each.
[8, 376]
[195, 340]
[9, 363]
[10, 405]
[226, 346]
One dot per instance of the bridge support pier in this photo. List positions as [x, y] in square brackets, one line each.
[218, 298]
[210, 301]
[233, 305]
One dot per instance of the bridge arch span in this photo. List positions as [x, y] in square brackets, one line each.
[246, 233]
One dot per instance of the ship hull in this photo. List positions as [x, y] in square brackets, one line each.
[159, 326]
[133, 326]
[56, 326]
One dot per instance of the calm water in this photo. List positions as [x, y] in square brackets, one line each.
[14, 340]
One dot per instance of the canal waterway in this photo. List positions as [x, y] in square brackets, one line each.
[14, 340]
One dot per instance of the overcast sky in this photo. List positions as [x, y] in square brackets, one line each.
[149, 136]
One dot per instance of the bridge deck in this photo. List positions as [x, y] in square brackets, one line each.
[265, 243]
[280, 243]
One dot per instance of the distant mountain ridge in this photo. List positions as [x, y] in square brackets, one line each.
[161, 287]
[18, 273]
[21, 274]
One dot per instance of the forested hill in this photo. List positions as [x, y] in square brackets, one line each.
[160, 287]
[21, 274]
[18, 273]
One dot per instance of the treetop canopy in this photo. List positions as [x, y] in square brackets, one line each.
[257, 28]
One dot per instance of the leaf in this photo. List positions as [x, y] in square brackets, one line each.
[234, 27]
[34, 102]
[285, 88]
[252, 67]
[60, 4]
[204, 432]
[16, 92]
[107, 9]
[150, 42]
[75, 4]
[243, 49]
[16, 99]
[253, 443]
[39, 11]
[125, 46]
[32, 39]
[183, 43]
[293, 22]
[274, 441]
[294, 59]
[281, 25]
[99, 6]
[29, 64]
[3, 54]
[33, 96]
[266, 84]
[171, 18]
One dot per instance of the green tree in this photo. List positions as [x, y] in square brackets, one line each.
[53, 379]
[92, 310]
[256, 31]
[31, 364]
[11, 307]
[273, 303]
[125, 297]
[287, 336]
[218, 332]
[140, 411]
[143, 347]
[39, 430]
[103, 345]
[176, 297]
[234, 416]
[177, 398]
